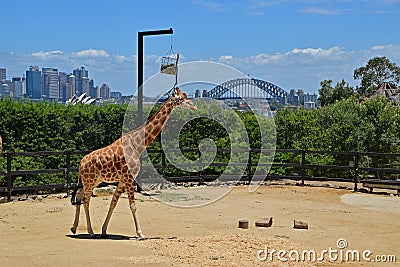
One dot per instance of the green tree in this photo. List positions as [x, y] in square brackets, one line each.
[329, 95]
[342, 90]
[340, 123]
[325, 92]
[377, 70]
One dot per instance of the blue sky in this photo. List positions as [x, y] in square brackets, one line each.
[294, 44]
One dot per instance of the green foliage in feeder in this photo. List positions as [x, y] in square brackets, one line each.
[169, 69]
[169, 63]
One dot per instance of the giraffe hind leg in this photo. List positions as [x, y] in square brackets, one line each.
[132, 204]
[86, 201]
[117, 194]
[76, 199]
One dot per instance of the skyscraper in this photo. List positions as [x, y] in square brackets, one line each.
[50, 83]
[19, 86]
[5, 90]
[71, 87]
[92, 90]
[62, 85]
[33, 83]
[3, 76]
[105, 91]
[84, 85]
[79, 75]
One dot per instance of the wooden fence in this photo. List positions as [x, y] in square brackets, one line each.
[299, 165]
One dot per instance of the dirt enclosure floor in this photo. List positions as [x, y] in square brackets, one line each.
[36, 232]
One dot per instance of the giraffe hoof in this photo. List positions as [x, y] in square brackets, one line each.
[104, 235]
[142, 237]
[93, 236]
[73, 230]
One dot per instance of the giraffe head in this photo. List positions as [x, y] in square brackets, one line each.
[180, 99]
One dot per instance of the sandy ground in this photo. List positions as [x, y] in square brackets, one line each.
[36, 232]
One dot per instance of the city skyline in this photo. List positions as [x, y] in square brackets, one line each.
[294, 44]
[52, 84]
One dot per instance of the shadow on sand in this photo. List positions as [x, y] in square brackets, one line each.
[108, 237]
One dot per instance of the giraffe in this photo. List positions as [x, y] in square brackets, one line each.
[119, 162]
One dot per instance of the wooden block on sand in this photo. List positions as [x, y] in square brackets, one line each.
[244, 224]
[264, 222]
[300, 225]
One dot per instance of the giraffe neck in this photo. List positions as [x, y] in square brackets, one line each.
[135, 142]
[155, 124]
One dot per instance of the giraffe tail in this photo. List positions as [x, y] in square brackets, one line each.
[77, 194]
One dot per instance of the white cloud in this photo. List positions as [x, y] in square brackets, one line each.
[226, 58]
[320, 11]
[262, 3]
[120, 58]
[212, 6]
[90, 53]
[382, 47]
[316, 51]
[44, 55]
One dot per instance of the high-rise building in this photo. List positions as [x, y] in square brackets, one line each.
[79, 75]
[70, 87]
[3, 75]
[84, 85]
[5, 90]
[96, 92]
[92, 89]
[19, 86]
[50, 83]
[33, 83]
[105, 91]
[116, 95]
[62, 85]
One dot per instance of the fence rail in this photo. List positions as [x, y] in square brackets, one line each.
[301, 168]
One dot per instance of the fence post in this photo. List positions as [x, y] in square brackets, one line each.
[200, 172]
[163, 166]
[249, 164]
[68, 170]
[356, 171]
[303, 166]
[9, 176]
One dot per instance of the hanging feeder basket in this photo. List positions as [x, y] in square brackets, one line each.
[169, 63]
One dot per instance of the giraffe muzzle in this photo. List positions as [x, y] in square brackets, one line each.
[189, 105]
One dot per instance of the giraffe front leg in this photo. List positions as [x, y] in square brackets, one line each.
[76, 221]
[117, 194]
[133, 207]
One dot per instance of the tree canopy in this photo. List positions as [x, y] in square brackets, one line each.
[329, 95]
[376, 71]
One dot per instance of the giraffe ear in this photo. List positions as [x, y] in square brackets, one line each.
[178, 91]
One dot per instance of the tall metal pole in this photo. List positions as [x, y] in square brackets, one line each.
[140, 69]
[139, 121]
[140, 80]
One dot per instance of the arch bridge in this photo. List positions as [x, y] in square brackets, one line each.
[248, 88]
